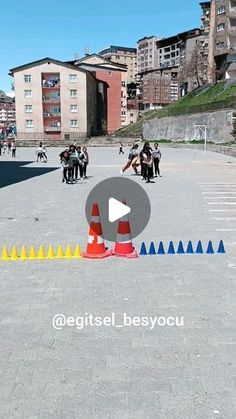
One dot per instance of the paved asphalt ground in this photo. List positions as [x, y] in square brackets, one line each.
[110, 372]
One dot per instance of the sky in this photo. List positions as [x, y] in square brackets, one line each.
[31, 30]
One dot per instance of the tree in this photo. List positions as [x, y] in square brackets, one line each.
[195, 70]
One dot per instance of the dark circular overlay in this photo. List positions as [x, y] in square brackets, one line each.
[122, 189]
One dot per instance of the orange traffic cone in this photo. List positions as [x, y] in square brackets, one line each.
[96, 248]
[123, 246]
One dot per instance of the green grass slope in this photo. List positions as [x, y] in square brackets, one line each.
[204, 99]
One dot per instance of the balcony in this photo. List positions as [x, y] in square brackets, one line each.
[51, 99]
[232, 30]
[52, 129]
[232, 12]
[51, 114]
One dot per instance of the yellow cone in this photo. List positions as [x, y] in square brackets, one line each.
[14, 253]
[32, 253]
[23, 254]
[77, 253]
[69, 253]
[41, 252]
[5, 254]
[51, 254]
[60, 253]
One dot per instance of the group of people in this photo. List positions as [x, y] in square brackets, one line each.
[148, 159]
[8, 147]
[74, 161]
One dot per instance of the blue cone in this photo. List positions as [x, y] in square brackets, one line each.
[180, 250]
[189, 250]
[161, 250]
[221, 249]
[171, 250]
[152, 250]
[210, 250]
[143, 250]
[199, 249]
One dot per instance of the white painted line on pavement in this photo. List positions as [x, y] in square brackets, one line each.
[219, 193]
[221, 210]
[226, 229]
[224, 219]
[216, 183]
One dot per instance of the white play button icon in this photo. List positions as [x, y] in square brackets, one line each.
[117, 210]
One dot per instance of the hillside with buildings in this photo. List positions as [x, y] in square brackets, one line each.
[103, 92]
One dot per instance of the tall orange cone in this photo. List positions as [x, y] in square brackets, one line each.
[95, 247]
[124, 246]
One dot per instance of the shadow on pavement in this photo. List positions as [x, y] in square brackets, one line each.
[14, 172]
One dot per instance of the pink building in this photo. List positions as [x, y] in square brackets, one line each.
[55, 100]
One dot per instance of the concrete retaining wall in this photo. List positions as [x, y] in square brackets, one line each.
[219, 127]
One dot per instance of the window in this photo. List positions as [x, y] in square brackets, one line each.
[220, 27]
[123, 113]
[73, 93]
[221, 10]
[109, 73]
[29, 123]
[27, 78]
[123, 84]
[74, 123]
[220, 45]
[28, 108]
[28, 93]
[73, 78]
[73, 108]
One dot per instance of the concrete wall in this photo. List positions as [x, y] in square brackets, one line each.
[219, 127]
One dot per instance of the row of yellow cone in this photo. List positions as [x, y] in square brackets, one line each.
[41, 254]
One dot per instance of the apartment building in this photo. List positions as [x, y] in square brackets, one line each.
[158, 88]
[115, 76]
[168, 49]
[54, 100]
[223, 37]
[7, 110]
[147, 57]
[125, 56]
[7, 115]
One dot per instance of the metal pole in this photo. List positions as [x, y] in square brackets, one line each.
[205, 144]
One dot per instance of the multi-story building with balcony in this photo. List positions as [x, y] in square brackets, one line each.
[147, 57]
[158, 88]
[125, 56]
[55, 100]
[223, 38]
[7, 110]
[168, 49]
[115, 77]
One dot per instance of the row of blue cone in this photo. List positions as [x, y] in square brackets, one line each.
[180, 250]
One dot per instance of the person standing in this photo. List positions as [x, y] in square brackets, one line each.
[156, 160]
[121, 151]
[86, 162]
[13, 149]
[81, 157]
[67, 167]
[75, 162]
[9, 146]
[147, 162]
